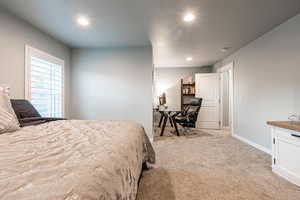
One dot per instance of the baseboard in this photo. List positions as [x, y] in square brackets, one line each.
[257, 146]
[286, 175]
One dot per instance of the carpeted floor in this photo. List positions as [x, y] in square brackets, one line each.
[211, 165]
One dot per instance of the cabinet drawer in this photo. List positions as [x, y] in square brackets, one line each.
[287, 156]
[288, 135]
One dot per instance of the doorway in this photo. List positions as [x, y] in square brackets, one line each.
[227, 96]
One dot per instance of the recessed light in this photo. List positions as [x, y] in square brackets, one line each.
[83, 21]
[189, 59]
[225, 49]
[189, 17]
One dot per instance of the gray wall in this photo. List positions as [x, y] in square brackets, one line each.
[225, 99]
[113, 84]
[14, 35]
[168, 80]
[266, 81]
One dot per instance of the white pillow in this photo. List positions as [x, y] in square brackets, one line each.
[8, 119]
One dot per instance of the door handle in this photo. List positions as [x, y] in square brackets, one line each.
[294, 135]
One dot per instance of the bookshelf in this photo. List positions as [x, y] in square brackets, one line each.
[188, 91]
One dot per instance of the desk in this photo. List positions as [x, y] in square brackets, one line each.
[167, 114]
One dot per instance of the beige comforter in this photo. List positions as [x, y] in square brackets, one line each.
[73, 160]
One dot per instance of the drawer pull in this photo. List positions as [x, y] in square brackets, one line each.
[298, 136]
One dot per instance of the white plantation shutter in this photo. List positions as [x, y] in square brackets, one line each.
[45, 83]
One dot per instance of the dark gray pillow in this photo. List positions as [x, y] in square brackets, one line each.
[24, 109]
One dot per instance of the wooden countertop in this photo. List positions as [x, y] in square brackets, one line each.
[294, 126]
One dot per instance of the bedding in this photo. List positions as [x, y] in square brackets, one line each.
[73, 160]
[8, 119]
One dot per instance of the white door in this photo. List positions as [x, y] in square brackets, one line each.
[208, 88]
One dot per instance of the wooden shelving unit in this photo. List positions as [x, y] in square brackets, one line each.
[187, 91]
[188, 84]
[189, 95]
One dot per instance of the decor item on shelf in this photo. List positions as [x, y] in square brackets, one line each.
[162, 99]
[190, 80]
[193, 91]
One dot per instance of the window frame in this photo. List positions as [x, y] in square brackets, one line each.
[31, 51]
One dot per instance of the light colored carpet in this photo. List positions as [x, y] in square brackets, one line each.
[212, 166]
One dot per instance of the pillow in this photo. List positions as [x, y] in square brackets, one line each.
[24, 109]
[8, 119]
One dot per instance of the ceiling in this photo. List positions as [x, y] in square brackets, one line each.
[122, 23]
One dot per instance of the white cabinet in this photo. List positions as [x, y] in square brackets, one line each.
[286, 154]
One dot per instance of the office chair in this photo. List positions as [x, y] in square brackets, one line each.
[188, 117]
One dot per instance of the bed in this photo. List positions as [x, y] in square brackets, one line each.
[73, 160]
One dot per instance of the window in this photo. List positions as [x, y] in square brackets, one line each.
[44, 85]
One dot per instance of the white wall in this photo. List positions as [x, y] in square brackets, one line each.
[266, 79]
[14, 35]
[113, 84]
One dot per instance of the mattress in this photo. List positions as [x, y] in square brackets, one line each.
[73, 160]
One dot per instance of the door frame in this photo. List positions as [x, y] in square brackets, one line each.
[229, 67]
